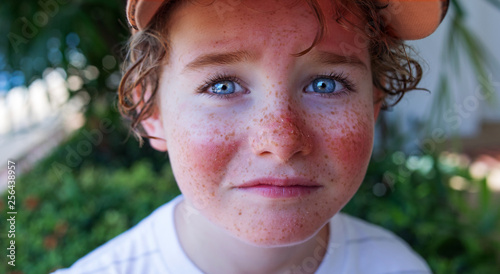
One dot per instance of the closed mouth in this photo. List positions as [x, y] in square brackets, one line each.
[279, 182]
[280, 188]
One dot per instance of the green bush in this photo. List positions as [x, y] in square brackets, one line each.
[456, 231]
[64, 214]
[62, 217]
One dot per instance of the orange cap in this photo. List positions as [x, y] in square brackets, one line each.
[409, 19]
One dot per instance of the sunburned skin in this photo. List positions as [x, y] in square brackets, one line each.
[271, 128]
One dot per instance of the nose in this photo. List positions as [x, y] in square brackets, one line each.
[280, 133]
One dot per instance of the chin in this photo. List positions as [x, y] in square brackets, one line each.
[275, 239]
[277, 231]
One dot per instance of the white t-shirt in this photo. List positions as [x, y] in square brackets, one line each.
[152, 246]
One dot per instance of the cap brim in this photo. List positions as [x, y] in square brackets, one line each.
[406, 19]
[413, 19]
[140, 12]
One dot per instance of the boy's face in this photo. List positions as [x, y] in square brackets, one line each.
[238, 109]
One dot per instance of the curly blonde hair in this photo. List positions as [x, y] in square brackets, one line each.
[393, 71]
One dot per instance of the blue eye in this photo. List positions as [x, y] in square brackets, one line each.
[223, 87]
[324, 85]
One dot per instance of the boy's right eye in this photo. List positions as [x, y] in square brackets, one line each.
[225, 87]
[222, 86]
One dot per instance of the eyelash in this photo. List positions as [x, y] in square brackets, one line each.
[215, 79]
[349, 86]
[339, 77]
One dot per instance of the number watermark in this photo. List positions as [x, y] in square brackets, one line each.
[11, 212]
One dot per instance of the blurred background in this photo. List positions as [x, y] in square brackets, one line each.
[434, 178]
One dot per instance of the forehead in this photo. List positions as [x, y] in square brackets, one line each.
[272, 25]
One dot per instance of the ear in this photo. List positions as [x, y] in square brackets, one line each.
[153, 125]
[378, 99]
[154, 129]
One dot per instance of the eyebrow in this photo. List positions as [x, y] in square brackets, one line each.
[228, 58]
[214, 59]
[330, 58]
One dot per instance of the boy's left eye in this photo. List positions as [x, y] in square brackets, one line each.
[324, 85]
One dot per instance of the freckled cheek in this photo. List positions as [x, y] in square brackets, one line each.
[200, 154]
[351, 146]
[356, 151]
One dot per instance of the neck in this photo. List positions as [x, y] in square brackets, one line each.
[213, 250]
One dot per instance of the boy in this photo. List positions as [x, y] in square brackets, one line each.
[267, 111]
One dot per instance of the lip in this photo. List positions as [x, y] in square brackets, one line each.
[280, 188]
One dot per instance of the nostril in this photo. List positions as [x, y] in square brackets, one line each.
[283, 138]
